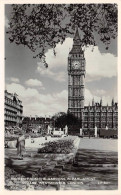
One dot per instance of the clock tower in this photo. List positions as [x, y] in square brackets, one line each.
[76, 75]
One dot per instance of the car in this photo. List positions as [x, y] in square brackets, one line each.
[64, 135]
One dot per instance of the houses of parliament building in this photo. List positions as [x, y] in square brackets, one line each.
[96, 114]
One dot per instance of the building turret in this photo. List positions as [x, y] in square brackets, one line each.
[113, 102]
[93, 102]
[101, 102]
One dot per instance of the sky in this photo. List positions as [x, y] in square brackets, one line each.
[45, 91]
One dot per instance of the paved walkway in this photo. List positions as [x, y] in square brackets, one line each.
[40, 141]
[95, 167]
[99, 144]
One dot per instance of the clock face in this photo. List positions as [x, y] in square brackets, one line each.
[76, 64]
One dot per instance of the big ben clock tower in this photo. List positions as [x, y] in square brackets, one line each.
[76, 75]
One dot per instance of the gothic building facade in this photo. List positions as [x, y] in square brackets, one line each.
[76, 75]
[89, 116]
[103, 117]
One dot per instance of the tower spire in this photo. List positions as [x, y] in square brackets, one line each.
[101, 101]
[76, 35]
[77, 43]
[113, 102]
[93, 103]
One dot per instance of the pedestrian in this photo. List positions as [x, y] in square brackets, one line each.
[45, 137]
[20, 146]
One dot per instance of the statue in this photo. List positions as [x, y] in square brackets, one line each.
[66, 130]
[48, 129]
[80, 132]
[20, 146]
[95, 131]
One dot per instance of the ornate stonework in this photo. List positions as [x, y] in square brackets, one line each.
[92, 115]
[76, 75]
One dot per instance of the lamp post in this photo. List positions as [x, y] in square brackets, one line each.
[45, 124]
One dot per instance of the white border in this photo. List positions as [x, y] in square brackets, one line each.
[2, 83]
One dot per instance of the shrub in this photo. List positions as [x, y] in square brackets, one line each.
[60, 147]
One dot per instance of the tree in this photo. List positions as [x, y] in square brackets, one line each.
[41, 26]
[62, 119]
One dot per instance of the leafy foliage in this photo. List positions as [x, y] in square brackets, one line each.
[41, 26]
[62, 119]
[60, 146]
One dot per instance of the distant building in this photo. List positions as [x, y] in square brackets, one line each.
[13, 110]
[36, 123]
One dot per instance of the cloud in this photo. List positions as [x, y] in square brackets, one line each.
[21, 90]
[100, 92]
[34, 83]
[13, 79]
[97, 65]
[62, 95]
[105, 86]
[57, 69]
[47, 72]
[91, 78]
[61, 58]
[35, 103]
[89, 96]
[100, 65]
